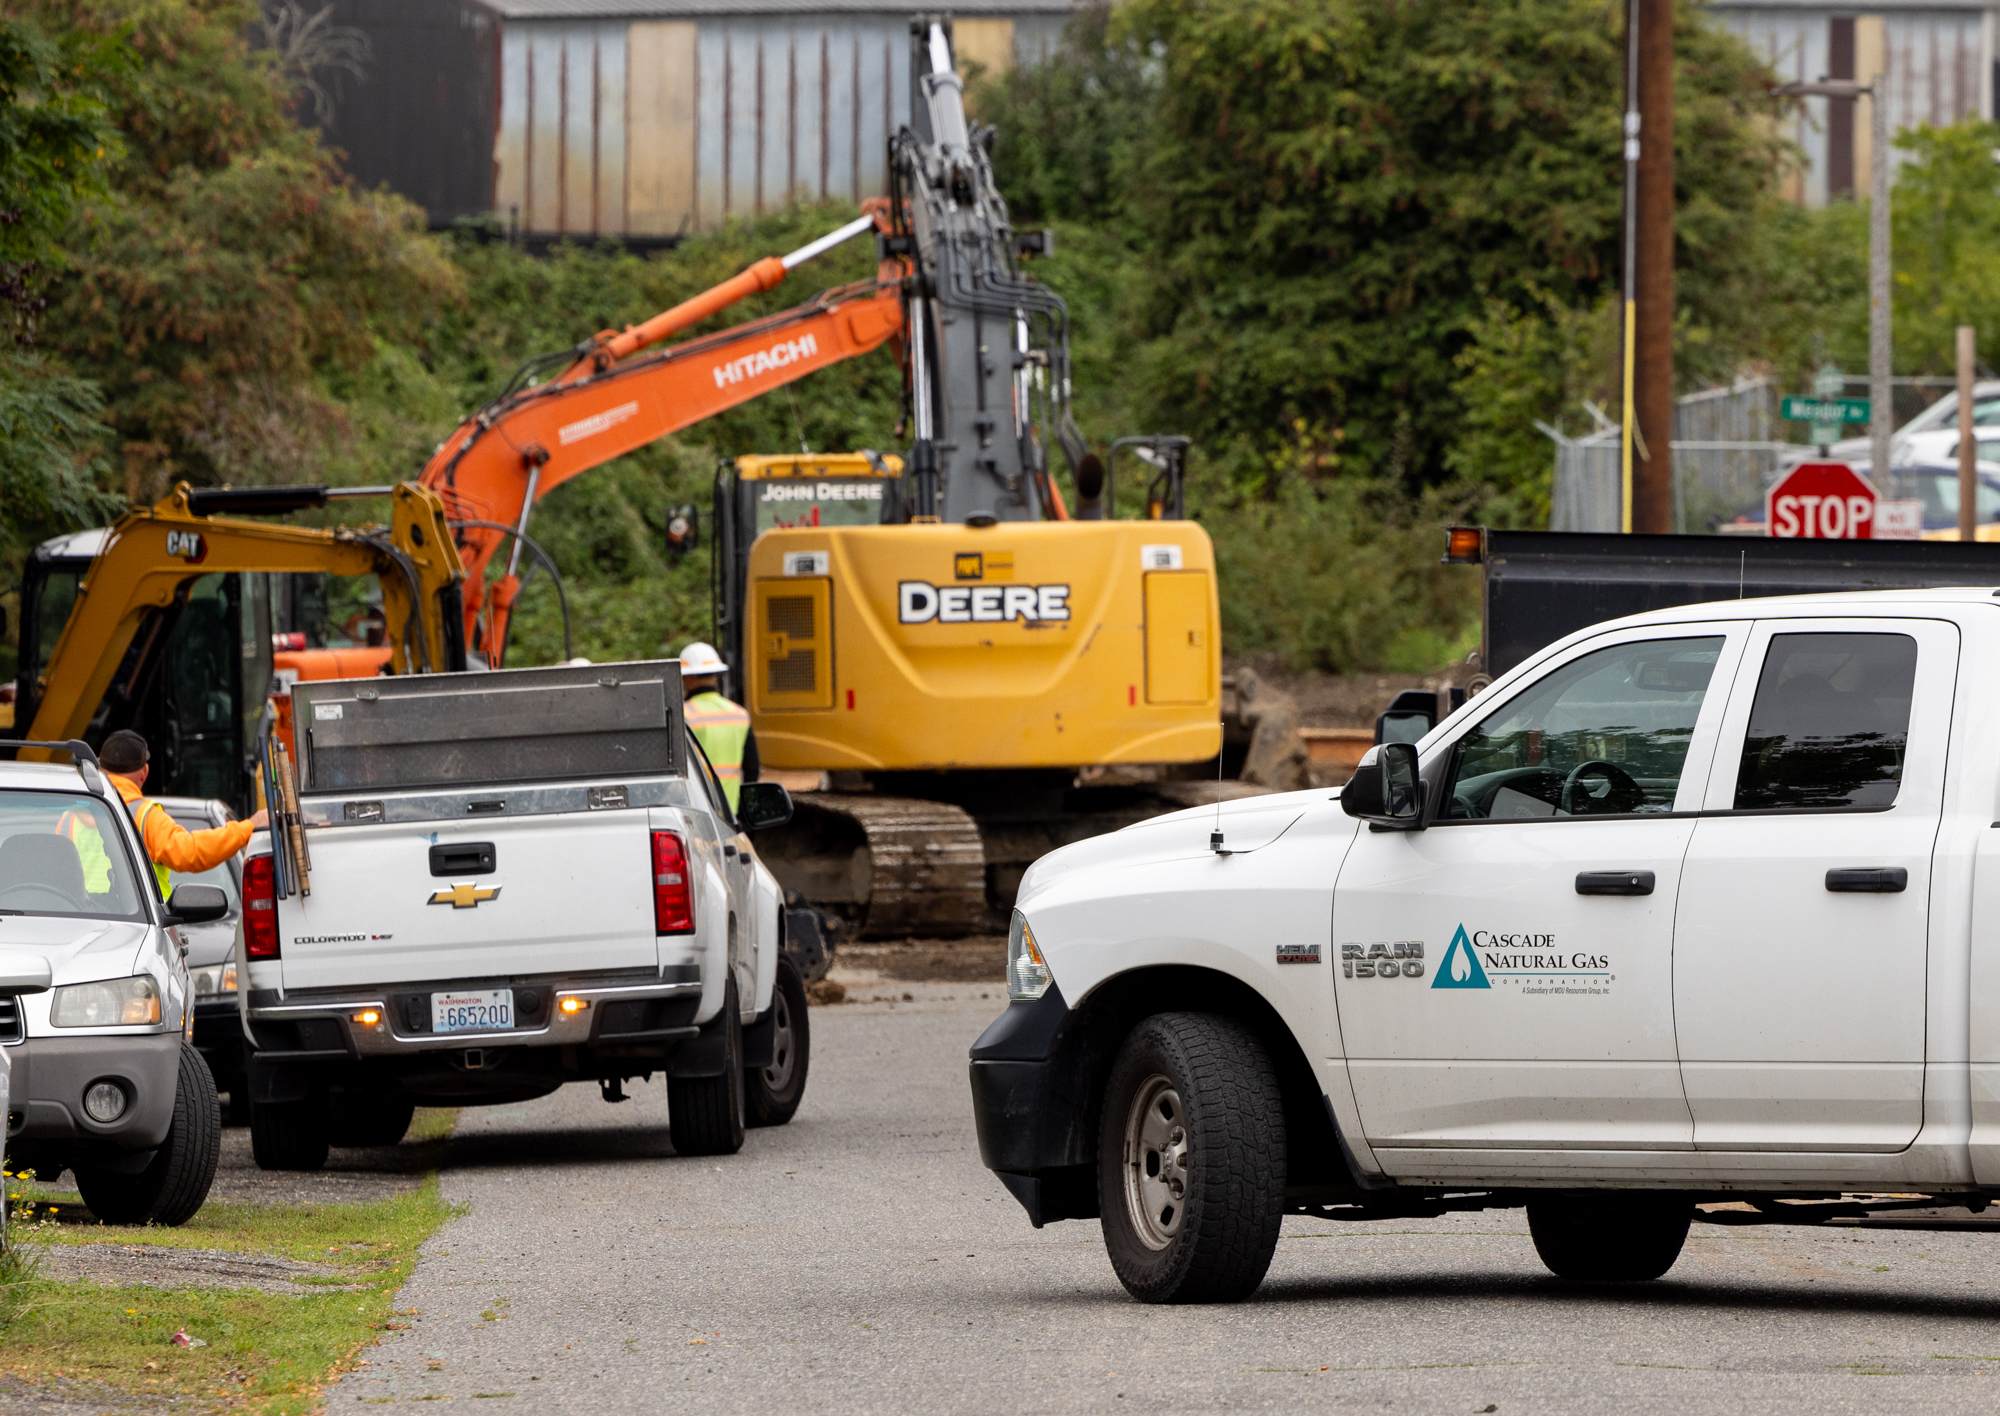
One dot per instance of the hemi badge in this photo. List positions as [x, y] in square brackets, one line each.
[465, 897]
[1298, 953]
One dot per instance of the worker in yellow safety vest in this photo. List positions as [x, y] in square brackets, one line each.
[721, 727]
[171, 846]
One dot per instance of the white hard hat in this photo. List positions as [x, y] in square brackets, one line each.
[700, 658]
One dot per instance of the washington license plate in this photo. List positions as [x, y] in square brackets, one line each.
[487, 1010]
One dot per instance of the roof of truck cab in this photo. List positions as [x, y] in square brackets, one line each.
[1861, 602]
[1845, 604]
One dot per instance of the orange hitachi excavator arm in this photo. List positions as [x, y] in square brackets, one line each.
[614, 396]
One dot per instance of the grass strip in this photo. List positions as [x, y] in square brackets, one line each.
[267, 1353]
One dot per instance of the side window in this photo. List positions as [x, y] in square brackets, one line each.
[1604, 735]
[711, 786]
[1829, 724]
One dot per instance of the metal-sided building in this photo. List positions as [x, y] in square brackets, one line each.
[1937, 59]
[644, 118]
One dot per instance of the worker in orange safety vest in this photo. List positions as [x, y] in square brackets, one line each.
[720, 726]
[172, 847]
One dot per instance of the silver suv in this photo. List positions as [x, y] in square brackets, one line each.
[105, 1082]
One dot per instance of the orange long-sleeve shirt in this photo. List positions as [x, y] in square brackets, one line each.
[172, 844]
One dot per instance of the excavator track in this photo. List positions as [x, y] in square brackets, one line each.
[891, 866]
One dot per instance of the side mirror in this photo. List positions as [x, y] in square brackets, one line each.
[22, 972]
[197, 904]
[1408, 717]
[762, 805]
[1385, 788]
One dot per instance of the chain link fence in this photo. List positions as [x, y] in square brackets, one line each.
[1725, 453]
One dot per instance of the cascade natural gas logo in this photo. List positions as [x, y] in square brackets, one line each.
[785, 352]
[1528, 963]
[1460, 967]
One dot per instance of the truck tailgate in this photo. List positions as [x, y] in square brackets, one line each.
[528, 895]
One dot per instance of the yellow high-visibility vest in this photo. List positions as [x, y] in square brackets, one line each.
[722, 728]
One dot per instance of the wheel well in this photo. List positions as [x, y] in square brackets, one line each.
[1103, 1020]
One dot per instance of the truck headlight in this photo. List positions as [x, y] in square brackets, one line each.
[114, 1003]
[213, 980]
[1028, 975]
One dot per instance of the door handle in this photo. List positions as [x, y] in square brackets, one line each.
[463, 858]
[1869, 880]
[1614, 882]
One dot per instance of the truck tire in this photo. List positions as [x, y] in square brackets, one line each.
[290, 1135]
[774, 1092]
[705, 1114]
[1191, 1160]
[368, 1118]
[1609, 1236]
[172, 1188]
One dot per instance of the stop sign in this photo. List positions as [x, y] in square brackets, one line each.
[1826, 501]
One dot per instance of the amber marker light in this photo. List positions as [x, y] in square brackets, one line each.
[1466, 545]
[572, 1006]
[368, 1017]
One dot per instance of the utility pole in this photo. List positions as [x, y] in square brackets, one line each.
[1653, 363]
[1968, 447]
[1881, 415]
[1628, 420]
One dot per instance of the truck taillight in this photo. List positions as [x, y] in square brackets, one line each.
[260, 908]
[673, 885]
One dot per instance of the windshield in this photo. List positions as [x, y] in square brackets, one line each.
[784, 502]
[60, 854]
[52, 606]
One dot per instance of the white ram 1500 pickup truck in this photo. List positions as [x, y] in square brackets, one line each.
[511, 881]
[1697, 906]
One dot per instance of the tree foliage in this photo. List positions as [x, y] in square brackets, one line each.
[1331, 194]
[228, 271]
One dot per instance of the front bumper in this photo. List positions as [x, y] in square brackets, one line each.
[1037, 1126]
[50, 1075]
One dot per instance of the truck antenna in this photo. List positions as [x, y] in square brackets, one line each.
[1215, 836]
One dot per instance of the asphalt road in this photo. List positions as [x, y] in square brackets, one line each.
[861, 1259]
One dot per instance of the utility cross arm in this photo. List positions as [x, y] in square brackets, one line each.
[153, 555]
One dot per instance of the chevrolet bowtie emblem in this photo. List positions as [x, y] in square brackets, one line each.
[464, 897]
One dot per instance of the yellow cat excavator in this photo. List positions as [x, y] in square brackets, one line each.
[162, 622]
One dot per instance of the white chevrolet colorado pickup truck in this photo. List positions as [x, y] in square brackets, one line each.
[510, 881]
[1699, 906]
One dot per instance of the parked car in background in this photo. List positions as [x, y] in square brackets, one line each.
[211, 961]
[1940, 417]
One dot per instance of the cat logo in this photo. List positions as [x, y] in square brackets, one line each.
[187, 545]
[465, 897]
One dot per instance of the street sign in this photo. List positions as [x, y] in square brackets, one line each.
[1825, 410]
[1899, 520]
[1821, 501]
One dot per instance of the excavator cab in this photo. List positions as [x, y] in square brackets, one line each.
[754, 495]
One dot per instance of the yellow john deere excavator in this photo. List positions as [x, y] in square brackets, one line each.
[941, 632]
[162, 622]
